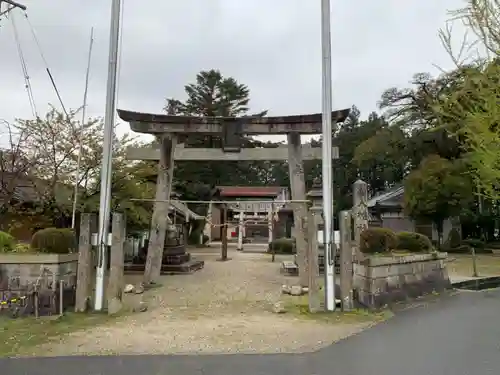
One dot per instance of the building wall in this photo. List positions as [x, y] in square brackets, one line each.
[398, 222]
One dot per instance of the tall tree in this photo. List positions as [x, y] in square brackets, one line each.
[212, 94]
[437, 190]
[473, 104]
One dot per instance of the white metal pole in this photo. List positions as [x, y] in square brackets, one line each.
[327, 172]
[80, 135]
[107, 153]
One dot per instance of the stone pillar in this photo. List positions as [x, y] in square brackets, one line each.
[359, 212]
[298, 188]
[160, 220]
[346, 256]
[116, 279]
[207, 230]
[224, 241]
[241, 225]
[83, 290]
[270, 226]
[312, 226]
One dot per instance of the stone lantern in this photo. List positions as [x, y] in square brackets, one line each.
[315, 195]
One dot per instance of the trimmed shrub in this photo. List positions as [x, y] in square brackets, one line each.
[54, 241]
[378, 240]
[7, 242]
[462, 249]
[282, 246]
[476, 243]
[22, 248]
[414, 242]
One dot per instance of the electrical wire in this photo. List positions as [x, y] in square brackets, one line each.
[24, 67]
[51, 77]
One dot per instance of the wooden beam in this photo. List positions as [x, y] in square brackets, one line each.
[215, 154]
[158, 123]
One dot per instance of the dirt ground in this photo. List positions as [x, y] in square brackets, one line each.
[224, 308]
[460, 266]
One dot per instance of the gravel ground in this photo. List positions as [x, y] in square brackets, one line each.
[224, 308]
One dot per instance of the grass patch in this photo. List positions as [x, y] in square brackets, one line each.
[18, 336]
[299, 306]
[461, 264]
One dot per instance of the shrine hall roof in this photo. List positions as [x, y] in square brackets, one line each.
[250, 191]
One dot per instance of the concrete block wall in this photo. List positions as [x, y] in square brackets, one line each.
[20, 272]
[383, 280]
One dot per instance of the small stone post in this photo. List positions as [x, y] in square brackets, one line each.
[115, 282]
[312, 226]
[207, 230]
[360, 213]
[241, 225]
[83, 291]
[346, 277]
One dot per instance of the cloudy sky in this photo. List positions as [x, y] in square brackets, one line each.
[272, 46]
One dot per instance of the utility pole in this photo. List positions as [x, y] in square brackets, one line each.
[327, 168]
[10, 6]
[107, 154]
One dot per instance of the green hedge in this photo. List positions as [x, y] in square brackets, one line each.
[476, 243]
[414, 242]
[54, 241]
[378, 240]
[7, 242]
[282, 246]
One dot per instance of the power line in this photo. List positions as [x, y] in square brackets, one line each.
[51, 77]
[24, 68]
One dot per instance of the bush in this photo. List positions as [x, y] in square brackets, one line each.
[282, 246]
[7, 242]
[22, 248]
[474, 242]
[462, 249]
[54, 241]
[378, 240]
[414, 242]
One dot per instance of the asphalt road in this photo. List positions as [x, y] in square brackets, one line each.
[459, 335]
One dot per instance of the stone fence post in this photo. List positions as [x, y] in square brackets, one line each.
[360, 214]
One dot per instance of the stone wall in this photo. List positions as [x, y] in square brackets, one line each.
[381, 280]
[20, 272]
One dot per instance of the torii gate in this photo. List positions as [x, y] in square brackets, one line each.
[168, 128]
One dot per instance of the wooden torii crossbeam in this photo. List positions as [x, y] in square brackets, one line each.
[168, 129]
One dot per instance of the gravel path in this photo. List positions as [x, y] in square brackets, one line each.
[224, 308]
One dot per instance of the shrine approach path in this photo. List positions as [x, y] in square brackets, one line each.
[224, 308]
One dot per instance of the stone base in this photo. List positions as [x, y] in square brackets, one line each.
[176, 259]
[289, 268]
[169, 269]
[381, 281]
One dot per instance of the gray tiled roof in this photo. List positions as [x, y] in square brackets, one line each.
[389, 197]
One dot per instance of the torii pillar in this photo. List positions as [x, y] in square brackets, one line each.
[231, 130]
